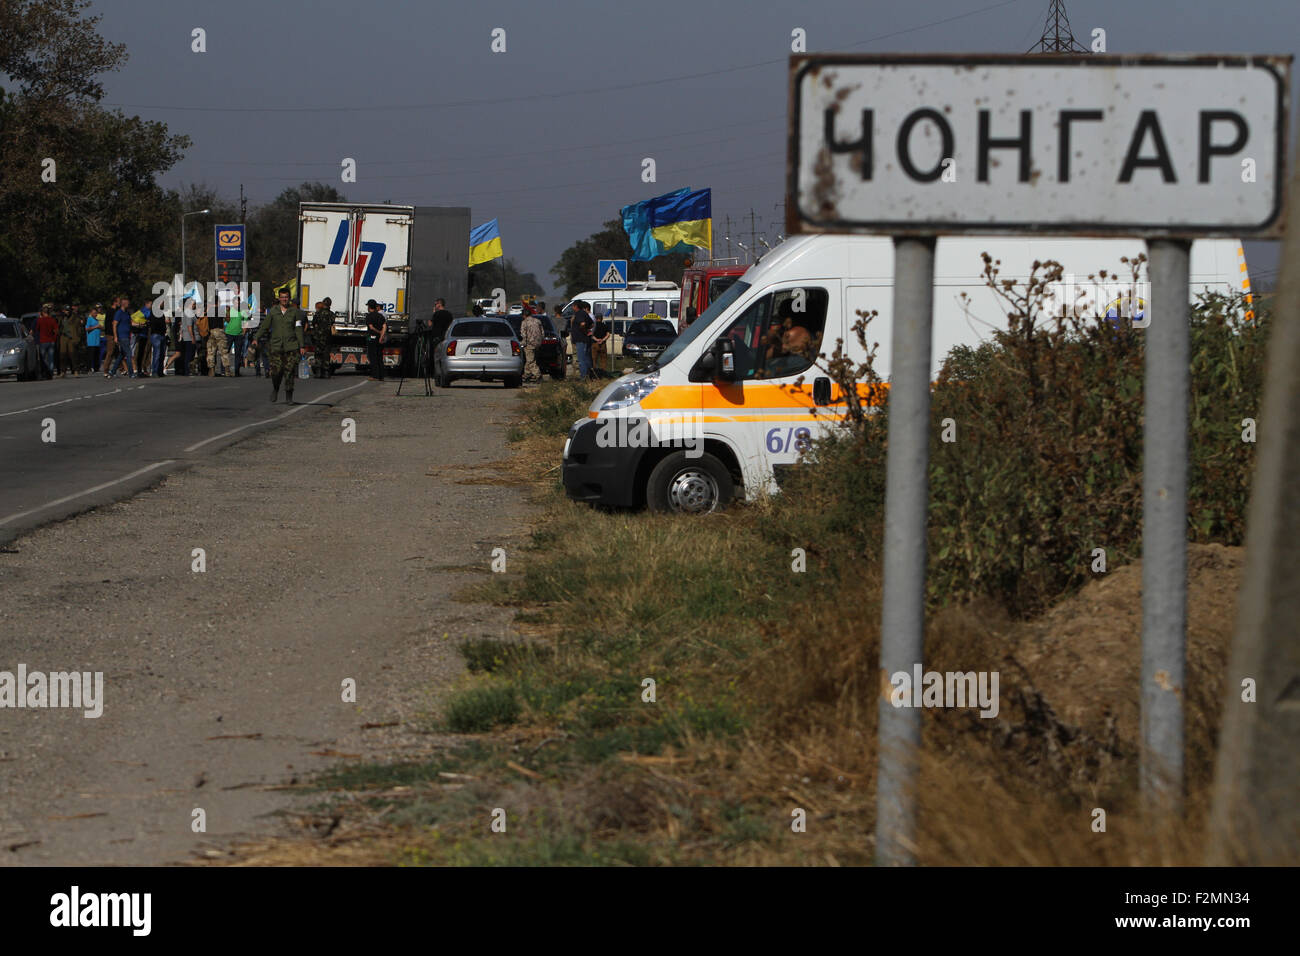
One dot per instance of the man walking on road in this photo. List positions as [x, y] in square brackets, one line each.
[110, 334]
[140, 339]
[599, 348]
[581, 331]
[122, 329]
[94, 335]
[322, 329]
[69, 339]
[282, 333]
[47, 334]
[377, 332]
[531, 332]
[157, 342]
[218, 355]
[235, 335]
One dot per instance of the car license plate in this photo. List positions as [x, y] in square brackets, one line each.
[351, 348]
[482, 350]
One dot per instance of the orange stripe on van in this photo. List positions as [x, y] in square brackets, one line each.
[676, 398]
[748, 395]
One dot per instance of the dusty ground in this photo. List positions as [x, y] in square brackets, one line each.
[325, 561]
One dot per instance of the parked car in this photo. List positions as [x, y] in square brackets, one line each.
[647, 338]
[18, 353]
[481, 348]
[550, 358]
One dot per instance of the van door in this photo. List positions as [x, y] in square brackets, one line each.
[871, 305]
[784, 397]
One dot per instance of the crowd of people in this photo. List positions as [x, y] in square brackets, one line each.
[73, 340]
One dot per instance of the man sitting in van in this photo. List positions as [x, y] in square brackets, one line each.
[791, 345]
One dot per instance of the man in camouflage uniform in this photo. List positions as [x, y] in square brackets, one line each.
[322, 328]
[531, 332]
[218, 347]
[69, 334]
[282, 333]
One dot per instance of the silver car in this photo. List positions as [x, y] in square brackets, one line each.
[17, 351]
[481, 348]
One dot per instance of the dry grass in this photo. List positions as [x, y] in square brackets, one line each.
[767, 703]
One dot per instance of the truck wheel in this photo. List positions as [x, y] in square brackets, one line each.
[685, 485]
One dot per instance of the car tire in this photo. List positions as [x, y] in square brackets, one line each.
[558, 374]
[683, 485]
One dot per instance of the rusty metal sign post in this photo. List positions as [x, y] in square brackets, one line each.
[1166, 148]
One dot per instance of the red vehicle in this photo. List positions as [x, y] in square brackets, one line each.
[701, 285]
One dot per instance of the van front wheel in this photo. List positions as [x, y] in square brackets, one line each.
[689, 485]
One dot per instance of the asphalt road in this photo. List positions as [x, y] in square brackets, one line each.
[328, 562]
[113, 438]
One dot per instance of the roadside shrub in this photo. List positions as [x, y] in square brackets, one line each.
[1046, 461]
[481, 708]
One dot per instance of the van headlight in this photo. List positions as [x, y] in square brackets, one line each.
[631, 392]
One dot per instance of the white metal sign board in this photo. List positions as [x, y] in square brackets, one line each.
[1096, 145]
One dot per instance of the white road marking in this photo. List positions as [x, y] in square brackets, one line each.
[88, 491]
[75, 398]
[170, 461]
[37, 408]
[267, 421]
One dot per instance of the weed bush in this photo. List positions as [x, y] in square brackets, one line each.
[480, 708]
[1046, 464]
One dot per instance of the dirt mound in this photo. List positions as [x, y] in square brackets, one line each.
[1085, 654]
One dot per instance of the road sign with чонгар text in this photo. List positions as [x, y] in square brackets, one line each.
[1174, 146]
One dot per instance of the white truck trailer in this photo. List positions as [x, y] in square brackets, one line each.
[351, 253]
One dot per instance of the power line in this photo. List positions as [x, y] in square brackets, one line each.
[491, 101]
[746, 161]
[477, 165]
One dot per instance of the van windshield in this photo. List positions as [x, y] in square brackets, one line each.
[696, 328]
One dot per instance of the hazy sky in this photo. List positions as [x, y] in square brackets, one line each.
[550, 135]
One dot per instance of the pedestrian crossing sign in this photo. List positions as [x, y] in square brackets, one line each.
[611, 273]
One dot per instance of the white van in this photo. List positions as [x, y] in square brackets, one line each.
[676, 436]
[621, 307]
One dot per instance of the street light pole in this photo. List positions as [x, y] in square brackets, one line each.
[196, 212]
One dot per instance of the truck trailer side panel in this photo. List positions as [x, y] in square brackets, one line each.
[439, 257]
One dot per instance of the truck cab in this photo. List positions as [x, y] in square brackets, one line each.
[701, 286]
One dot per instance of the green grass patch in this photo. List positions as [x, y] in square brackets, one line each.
[481, 708]
[488, 656]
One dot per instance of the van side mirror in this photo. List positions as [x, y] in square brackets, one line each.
[725, 351]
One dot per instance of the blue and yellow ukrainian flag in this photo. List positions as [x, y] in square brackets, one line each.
[687, 218]
[673, 222]
[484, 243]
